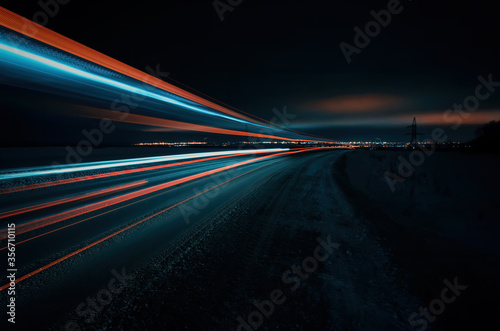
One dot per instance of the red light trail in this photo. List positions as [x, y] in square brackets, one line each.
[79, 197]
[183, 180]
[114, 173]
[52, 219]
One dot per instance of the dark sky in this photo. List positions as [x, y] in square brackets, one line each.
[270, 54]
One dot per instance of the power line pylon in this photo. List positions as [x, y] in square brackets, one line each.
[413, 141]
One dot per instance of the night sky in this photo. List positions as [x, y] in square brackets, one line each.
[276, 54]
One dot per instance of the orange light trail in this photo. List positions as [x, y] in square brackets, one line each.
[53, 219]
[242, 111]
[114, 173]
[86, 219]
[33, 30]
[89, 195]
[134, 225]
[109, 211]
[36, 31]
[116, 116]
[129, 204]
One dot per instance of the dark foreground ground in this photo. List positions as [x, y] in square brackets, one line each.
[441, 221]
[261, 243]
[381, 274]
[239, 252]
[215, 273]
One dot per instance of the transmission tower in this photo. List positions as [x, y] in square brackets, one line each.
[414, 134]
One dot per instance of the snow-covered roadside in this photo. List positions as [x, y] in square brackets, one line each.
[450, 194]
[441, 223]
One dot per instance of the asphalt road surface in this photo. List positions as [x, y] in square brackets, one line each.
[170, 248]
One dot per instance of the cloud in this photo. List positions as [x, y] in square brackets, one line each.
[364, 103]
[436, 118]
[439, 118]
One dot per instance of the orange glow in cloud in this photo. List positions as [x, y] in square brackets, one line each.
[439, 118]
[356, 103]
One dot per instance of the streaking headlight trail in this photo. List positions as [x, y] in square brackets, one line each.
[40, 59]
[63, 169]
[11, 51]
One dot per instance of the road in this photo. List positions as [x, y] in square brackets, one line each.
[258, 241]
[71, 238]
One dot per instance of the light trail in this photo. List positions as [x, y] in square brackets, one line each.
[79, 197]
[86, 219]
[38, 32]
[165, 123]
[133, 225]
[109, 211]
[129, 88]
[121, 207]
[100, 165]
[123, 172]
[110, 82]
[244, 112]
[53, 219]
[30, 29]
